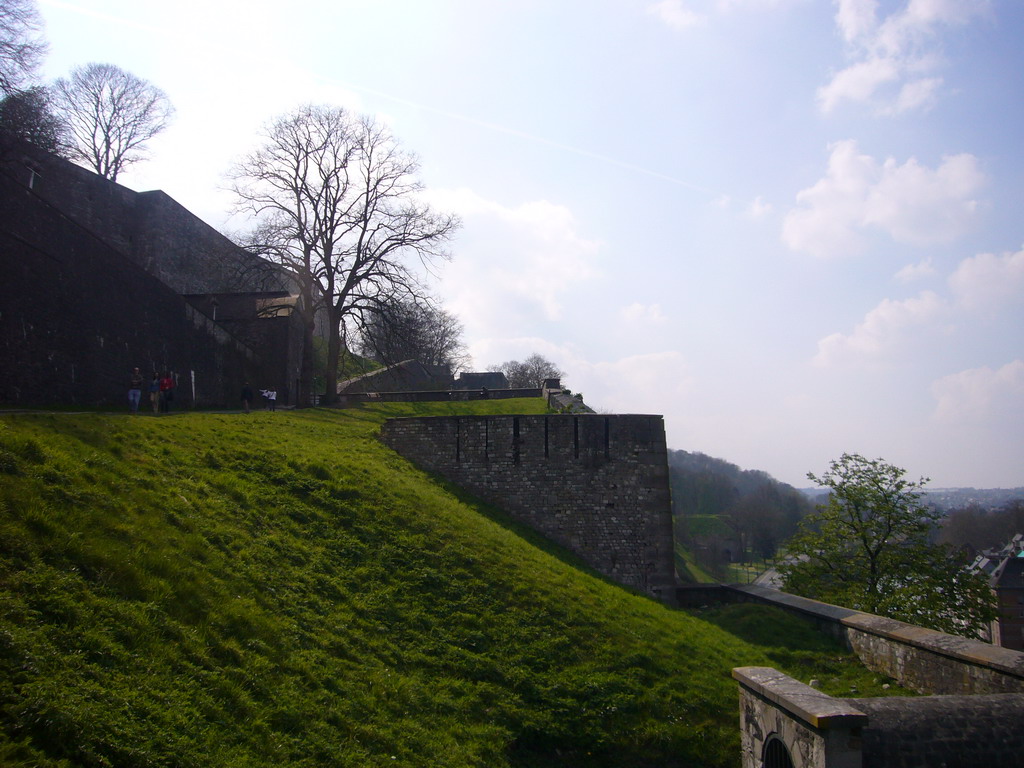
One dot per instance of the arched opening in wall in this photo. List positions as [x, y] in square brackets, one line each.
[775, 754]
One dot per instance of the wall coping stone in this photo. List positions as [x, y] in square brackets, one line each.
[810, 705]
[963, 649]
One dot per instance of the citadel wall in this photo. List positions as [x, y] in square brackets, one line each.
[78, 310]
[76, 318]
[595, 484]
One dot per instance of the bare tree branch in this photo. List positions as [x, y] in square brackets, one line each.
[333, 198]
[111, 114]
[22, 47]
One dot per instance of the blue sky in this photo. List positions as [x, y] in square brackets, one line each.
[793, 227]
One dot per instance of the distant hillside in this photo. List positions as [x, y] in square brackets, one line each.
[280, 589]
[725, 514]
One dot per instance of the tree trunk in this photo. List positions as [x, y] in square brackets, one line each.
[333, 356]
[304, 397]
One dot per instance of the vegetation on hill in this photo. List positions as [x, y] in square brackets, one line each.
[725, 514]
[281, 589]
[869, 548]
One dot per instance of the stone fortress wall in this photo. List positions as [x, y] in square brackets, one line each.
[95, 277]
[595, 484]
[970, 715]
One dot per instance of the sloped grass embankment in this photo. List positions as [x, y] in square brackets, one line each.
[280, 589]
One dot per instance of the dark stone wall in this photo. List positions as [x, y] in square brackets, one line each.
[597, 485]
[76, 316]
[150, 228]
[922, 659]
[92, 273]
[949, 731]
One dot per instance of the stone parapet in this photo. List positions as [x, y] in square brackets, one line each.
[782, 720]
[595, 484]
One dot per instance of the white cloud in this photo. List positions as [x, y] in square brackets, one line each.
[980, 393]
[855, 18]
[759, 208]
[917, 94]
[919, 206]
[910, 203]
[515, 263]
[987, 280]
[901, 49]
[638, 315]
[914, 272]
[650, 383]
[675, 14]
[881, 330]
[857, 82]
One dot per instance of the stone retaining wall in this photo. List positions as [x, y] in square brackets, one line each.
[597, 485]
[818, 731]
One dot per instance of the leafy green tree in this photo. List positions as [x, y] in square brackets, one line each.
[868, 549]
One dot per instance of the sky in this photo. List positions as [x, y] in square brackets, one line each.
[792, 227]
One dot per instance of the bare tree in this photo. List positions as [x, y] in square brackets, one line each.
[22, 47]
[110, 115]
[530, 372]
[413, 330]
[336, 202]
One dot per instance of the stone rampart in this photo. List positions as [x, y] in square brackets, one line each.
[77, 316]
[921, 659]
[435, 396]
[784, 722]
[595, 484]
[92, 280]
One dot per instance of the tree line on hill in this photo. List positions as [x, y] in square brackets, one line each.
[972, 529]
[726, 514]
[871, 547]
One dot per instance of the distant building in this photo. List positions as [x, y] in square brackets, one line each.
[1005, 570]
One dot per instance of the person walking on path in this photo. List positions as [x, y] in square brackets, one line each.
[134, 390]
[246, 397]
[154, 393]
[271, 397]
[166, 392]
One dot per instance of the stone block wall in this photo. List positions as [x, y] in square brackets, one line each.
[76, 316]
[782, 715]
[595, 484]
[921, 659]
[814, 730]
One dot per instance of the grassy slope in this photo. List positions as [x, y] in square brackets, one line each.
[280, 589]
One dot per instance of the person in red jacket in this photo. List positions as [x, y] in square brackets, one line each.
[166, 392]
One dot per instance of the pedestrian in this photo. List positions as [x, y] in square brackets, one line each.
[154, 393]
[134, 390]
[166, 392]
[272, 399]
[246, 397]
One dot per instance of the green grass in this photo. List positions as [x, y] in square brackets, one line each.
[689, 570]
[281, 589]
[794, 645]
